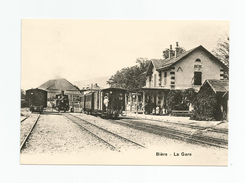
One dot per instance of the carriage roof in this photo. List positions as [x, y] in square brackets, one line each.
[36, 89]
[113, 89]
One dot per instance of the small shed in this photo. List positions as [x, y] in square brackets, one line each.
[212, 100]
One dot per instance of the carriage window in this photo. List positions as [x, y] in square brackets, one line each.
[120, 96]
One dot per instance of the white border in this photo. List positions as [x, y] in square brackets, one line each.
[10, 51]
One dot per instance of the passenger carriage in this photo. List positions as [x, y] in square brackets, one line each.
[36, 99]
[108, 102]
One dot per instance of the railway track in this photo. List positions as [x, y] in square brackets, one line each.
[23, 119]
[176, 134]
[115, 141]
[29, 133]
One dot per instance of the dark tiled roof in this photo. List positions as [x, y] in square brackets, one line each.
[169, 62]
[58, 84]
[160, 64]
[218, 85]
[157, 63]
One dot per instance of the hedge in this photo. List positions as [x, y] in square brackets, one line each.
[179, 99]
[206, 106]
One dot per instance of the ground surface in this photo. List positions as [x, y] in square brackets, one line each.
[58, 140]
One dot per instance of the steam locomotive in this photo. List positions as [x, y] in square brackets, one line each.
[62, 102]
[108, 102]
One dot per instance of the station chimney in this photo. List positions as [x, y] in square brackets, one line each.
[170, 51]
[177, 49]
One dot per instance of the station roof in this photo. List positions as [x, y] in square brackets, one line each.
[58, 85]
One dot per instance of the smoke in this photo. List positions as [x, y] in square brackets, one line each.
[58, 73]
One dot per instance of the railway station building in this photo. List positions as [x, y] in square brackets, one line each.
[181, 71]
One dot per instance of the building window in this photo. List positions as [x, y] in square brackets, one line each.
[165, 78]
[155, 80]
[197, 78]
[160, 79]
[198, 60]
[149, 81]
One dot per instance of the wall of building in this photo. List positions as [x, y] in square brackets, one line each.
[151, 83]
[184, 70]
[167, 85]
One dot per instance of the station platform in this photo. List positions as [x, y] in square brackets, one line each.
[222, 125]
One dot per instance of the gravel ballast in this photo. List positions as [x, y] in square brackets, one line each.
[26, 126]
[58, 140]
[55, 134]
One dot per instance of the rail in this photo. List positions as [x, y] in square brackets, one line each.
[104, 130]
[177, 134]
[25, 140]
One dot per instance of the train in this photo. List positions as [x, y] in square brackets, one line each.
[108, 102]
[62, 102]
[36, 99]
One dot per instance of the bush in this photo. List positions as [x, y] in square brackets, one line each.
[179, 99]
[206, 106]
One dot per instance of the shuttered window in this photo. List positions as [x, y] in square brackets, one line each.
[155, 80]
[165, 78]
[197, 78]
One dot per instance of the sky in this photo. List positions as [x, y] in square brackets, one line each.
[85, 49]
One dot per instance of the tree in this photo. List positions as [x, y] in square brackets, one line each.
[22, 93]
[130, 77]
[222, 49]
[166, 52]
